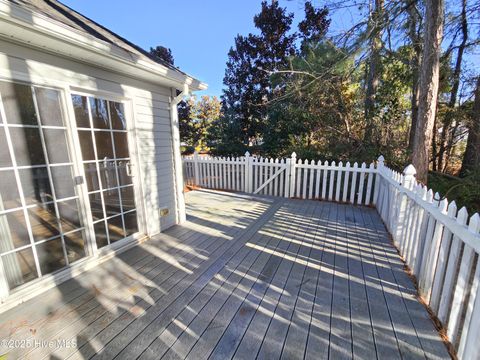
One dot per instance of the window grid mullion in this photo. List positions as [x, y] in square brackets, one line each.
[116, 167]
[50, 176]
[97, 163]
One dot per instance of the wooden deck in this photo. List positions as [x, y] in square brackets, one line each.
[246, 277]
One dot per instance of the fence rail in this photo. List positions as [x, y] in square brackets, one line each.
[440, 245]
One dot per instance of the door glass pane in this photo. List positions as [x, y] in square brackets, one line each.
[14, 232]
[108, 174]
[96, 206]
[115, 229]
[27, 146]
[121, 145]
[131, 225]
[91, 177]
[49, 107]
[103, 142]
[63, 181]
[128, 198]
[18, 103]
[19, 267]
[112, 202]
[99, 113]
[50, 256]
[69, 215]
[36, 185]
[5, 160]
[56, 144]
[86, 144]
[123, 177]
[81, 111]
[9, 196]
[117, 115]
[75, 245]
[100, 234]
[44, 222]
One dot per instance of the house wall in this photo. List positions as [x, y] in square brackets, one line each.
[151, 117]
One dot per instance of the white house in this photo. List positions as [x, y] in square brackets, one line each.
[89, 145]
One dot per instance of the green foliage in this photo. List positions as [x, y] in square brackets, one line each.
[250, 62]
[314, 116]
[348, 98]
[187, 150]
[196, 119]
[465, 191]
[250, 78]
[161, 53]
[315, 25]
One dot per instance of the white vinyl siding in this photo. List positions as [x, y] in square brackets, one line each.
[156, 159]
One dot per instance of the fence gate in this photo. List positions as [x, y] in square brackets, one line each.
[268, 176]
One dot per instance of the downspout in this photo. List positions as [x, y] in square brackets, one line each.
[177, 156]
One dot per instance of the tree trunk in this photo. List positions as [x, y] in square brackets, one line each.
[448, 135]
[373, 76]
[414, 21]
[428, 90]
[434, 147]
[471, 159]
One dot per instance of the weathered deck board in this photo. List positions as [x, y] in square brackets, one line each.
[340, 332]
[363, 341]
[319, 335]
[246, 277]
[384, 335]
[296, 340]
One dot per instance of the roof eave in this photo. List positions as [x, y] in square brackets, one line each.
[35, 30]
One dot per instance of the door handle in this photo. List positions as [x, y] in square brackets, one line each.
[129, 169]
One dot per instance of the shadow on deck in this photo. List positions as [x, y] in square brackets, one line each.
[245, 277]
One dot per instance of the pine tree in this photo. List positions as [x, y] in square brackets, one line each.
[249, 67]
[161, 53]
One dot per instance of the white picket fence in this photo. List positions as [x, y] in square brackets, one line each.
[438, 243]
[286, 177]
[441, 250]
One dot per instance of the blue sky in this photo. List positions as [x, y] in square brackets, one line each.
[199, 32]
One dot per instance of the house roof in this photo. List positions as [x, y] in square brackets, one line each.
[60, 13]
[64, 14]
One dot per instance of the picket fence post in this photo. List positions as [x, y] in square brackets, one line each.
[408, 181]
[196, 171]
[248, 173]
[290, 176]
[409, 177]
[380, 165]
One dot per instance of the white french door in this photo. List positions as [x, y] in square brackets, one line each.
[101, 127]
[59, 201]
[42, 227]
